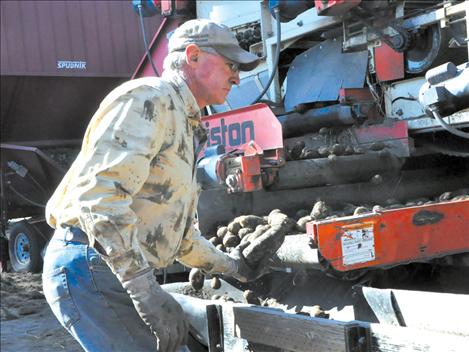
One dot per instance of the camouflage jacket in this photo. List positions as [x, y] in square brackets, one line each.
[132, 187]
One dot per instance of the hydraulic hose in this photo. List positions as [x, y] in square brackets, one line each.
[448, 127]
[147, 50]
[277, 57]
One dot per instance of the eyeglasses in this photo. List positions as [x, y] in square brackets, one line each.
[233, 66]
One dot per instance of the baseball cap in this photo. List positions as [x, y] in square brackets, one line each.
[205, 33]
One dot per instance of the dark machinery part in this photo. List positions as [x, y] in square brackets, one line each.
[400, 41]
[429, 48]
[296, 124]
[289, 9]
[445, 92]
[339, 170]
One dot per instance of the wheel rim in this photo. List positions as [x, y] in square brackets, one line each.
[22, 248]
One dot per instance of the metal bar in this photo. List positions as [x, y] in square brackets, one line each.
[434, 16]
[342, 169]
[215, 328]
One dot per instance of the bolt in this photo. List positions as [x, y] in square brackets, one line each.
[300, 23]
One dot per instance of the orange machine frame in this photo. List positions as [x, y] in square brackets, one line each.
[393, 237]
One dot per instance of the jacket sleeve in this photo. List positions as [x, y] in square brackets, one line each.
[121, 140]
[198, 252]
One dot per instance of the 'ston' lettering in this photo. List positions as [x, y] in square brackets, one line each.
[232, 134]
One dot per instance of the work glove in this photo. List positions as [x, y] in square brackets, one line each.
[159, 310]
[242, 271]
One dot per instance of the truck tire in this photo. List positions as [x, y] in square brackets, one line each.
[25, 245]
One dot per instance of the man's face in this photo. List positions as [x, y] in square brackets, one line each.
[215, 76]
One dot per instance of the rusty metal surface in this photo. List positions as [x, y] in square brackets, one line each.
[96, 38]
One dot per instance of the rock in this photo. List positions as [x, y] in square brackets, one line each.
[221, 247]
[332, 157]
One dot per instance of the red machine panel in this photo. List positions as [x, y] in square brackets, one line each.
[238, 127]
[389, 64]
[393, 236]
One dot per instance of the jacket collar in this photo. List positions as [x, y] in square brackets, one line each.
[182, 90]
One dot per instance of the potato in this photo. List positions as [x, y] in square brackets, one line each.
[320, 210]
[361, 210]
[196, 278]
[301, 223]
[214, 240]
[251, 297]
[215, 283]
[231, 241]
[234, 227]
[221, 232]
[251, 221]
[245, 231]
[338, 149]
[301, 213]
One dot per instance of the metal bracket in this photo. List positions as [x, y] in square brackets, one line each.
[215, 328]
[357, 338]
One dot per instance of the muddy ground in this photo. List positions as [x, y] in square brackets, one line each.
[27, 323]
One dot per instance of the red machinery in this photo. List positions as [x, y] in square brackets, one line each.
[348, 116]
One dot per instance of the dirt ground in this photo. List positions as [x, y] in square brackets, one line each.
[27, 323]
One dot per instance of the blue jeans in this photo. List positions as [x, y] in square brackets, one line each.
[88, 299]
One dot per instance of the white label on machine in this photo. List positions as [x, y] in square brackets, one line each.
[358, 245]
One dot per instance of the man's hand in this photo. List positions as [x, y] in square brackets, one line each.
[243, 271]
[159, 310]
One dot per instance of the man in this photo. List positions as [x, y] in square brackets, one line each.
[131, 195]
